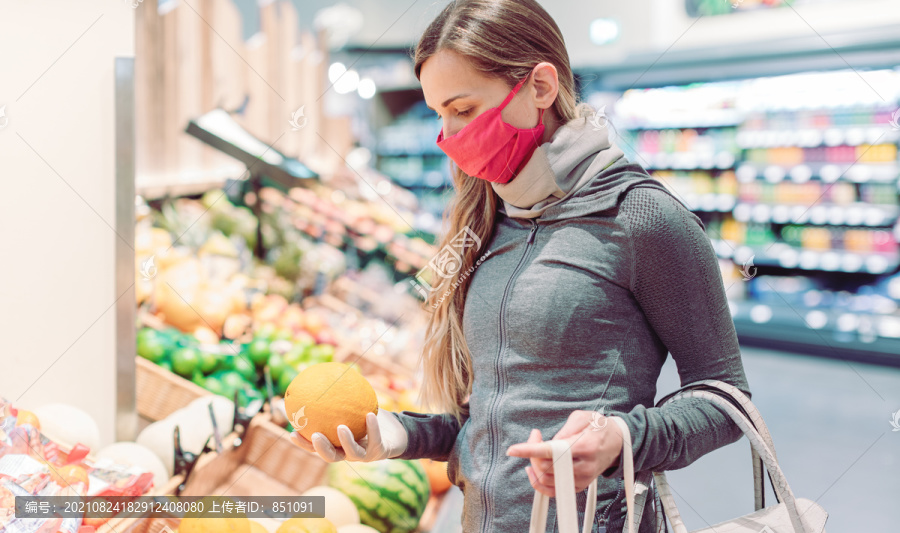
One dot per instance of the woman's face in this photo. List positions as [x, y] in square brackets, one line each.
[458, 93]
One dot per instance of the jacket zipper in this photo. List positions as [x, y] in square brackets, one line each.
[487, 503]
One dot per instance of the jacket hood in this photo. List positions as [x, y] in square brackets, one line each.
[578, 172]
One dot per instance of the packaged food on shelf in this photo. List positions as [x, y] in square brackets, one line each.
[33, 464]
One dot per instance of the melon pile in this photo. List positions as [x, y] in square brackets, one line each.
[390, 495]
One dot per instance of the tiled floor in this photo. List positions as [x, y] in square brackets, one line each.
[830, 421]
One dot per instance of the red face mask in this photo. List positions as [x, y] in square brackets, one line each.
[489, 148]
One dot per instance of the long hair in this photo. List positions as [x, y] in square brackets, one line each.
[503, 39]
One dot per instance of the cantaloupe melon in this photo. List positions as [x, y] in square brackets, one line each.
[327, 395]
[133, 454]
[214, 525]
[307, 525]
[339, 508]
[222, 407]
[157, 437]
[68, 425]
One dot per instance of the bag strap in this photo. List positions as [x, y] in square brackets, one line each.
[782, 489]
[741, 402]
[627, 460]
[564, 480]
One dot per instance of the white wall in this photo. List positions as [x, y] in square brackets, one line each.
[57, 320]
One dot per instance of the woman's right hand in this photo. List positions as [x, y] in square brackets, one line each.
[386, 438]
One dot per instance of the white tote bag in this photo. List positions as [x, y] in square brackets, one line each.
[789, 515]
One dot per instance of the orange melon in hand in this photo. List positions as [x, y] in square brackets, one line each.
[327, 395]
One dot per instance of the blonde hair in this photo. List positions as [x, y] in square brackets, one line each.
[503, 39]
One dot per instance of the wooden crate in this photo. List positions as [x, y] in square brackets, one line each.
[267, 463]
[161, 393]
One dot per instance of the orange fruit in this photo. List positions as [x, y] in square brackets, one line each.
[437, 476]
[327, 395]
[307, 525]
[70, 475]
[27, 417]
[192, 524]
[256, 527]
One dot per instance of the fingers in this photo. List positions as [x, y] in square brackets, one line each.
[539, 451]
[542, 467]
[300, 441]
[373, 430]
[325, 449]
[577, 422]
[352, 449]
[534, 447]
[537, 483]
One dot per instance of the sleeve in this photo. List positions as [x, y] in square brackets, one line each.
[431, 436]
[677, 283]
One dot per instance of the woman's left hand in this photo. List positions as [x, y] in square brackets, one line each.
[596, 445]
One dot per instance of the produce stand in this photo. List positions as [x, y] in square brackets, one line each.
[265, 463]
[217, 129]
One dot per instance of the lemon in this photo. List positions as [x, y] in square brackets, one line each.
[327, 395]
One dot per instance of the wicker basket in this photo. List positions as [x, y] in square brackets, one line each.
[266, 463]
[161, 393]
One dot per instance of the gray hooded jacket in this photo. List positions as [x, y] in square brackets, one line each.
[577, 309]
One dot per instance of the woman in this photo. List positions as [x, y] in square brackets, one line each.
[588, 273]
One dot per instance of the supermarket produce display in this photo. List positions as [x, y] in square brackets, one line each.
[797, 185]
[238, 333]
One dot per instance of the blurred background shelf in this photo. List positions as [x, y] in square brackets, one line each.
[846, 336]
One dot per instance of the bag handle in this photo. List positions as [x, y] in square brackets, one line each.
[746, 407]
[564, 478]
[782, 489]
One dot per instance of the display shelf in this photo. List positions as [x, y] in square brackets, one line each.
[223, 133]
[813, 138]
[826, 333]
[321, 219]
[826, 172]
[721, 119]
[709, 202]
[685, 162]
[857, 214]
[781, 255]
[811, 199]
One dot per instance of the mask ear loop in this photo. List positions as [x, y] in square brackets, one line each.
[512, 95]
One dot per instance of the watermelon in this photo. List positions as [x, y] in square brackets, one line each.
[390, 494]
